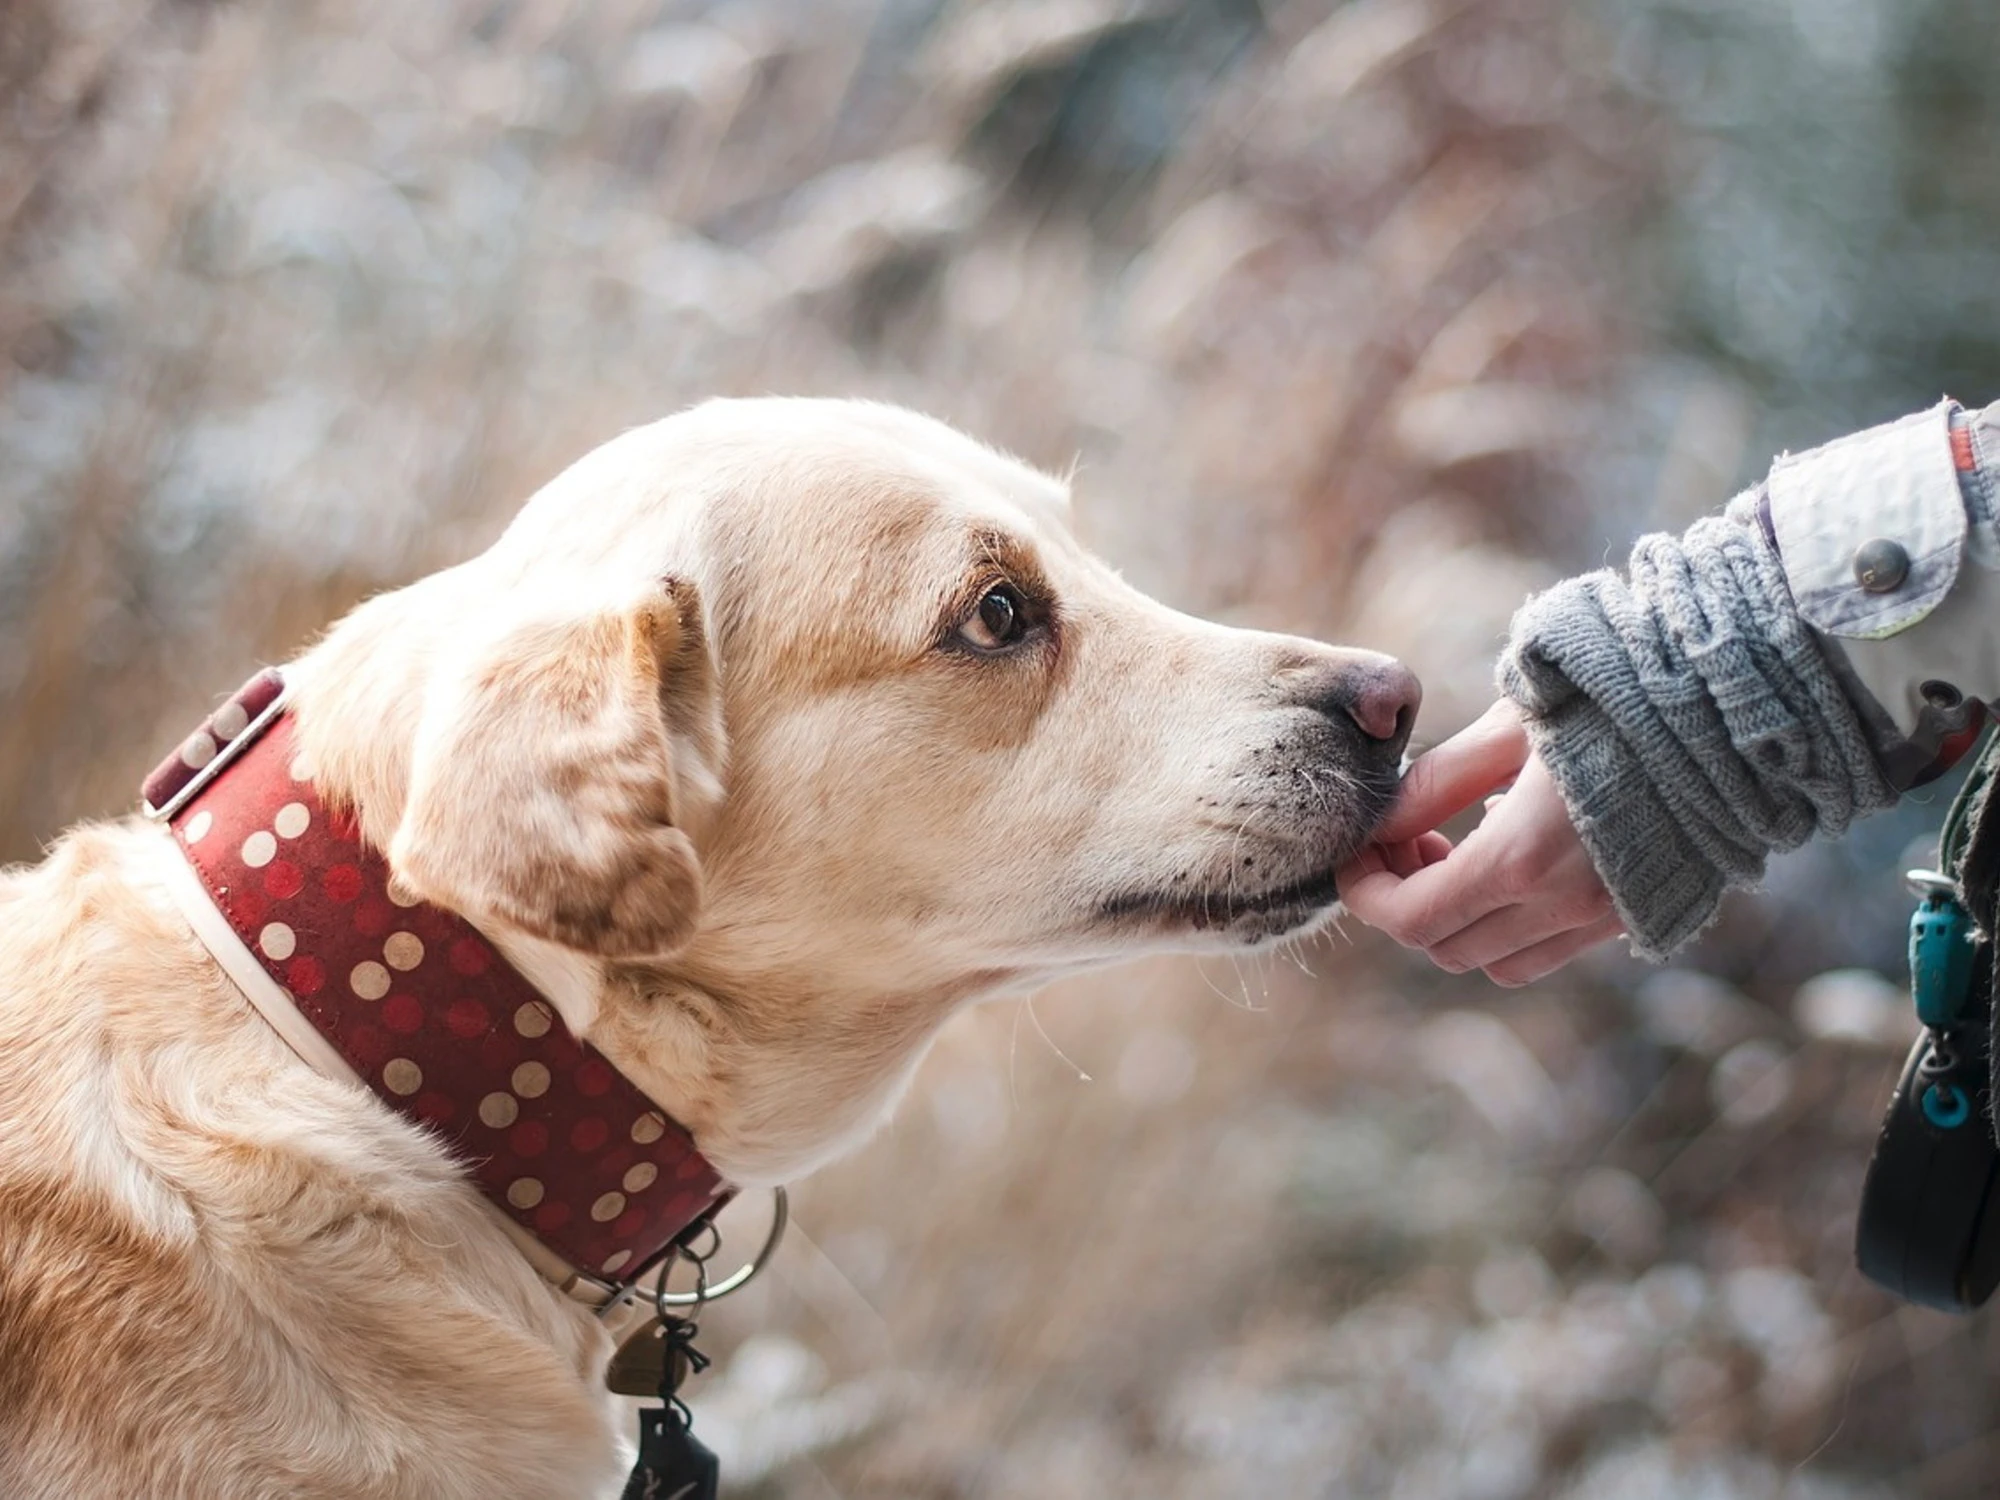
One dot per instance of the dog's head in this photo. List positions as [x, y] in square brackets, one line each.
[782, 728]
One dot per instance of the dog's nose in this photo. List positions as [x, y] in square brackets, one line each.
[1384, 702]
[1377, 694]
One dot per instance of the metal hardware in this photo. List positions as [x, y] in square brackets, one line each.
[1881, 565]
[1940, 694]
[736, 1280]
[220, 762]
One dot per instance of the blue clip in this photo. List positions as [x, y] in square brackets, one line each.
[1945, 1106]
[1941, 950]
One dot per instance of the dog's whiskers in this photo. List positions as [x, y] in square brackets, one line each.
[1029, 1005]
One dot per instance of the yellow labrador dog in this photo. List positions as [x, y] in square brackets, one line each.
[765, 739]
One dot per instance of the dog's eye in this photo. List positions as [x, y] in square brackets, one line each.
[1000, 620]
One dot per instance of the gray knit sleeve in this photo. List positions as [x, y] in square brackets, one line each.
[1690, 721]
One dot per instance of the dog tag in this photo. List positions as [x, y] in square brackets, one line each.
[673, 1464]
[639, 1368]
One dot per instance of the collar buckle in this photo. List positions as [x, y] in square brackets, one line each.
[224, 735]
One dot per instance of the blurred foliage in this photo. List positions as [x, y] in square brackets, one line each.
[1359, 318]
[1831, 236]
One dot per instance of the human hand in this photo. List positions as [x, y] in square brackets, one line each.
[1518, 898]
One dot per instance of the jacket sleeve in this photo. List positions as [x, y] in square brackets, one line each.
[1775, 672]
[1891, 550]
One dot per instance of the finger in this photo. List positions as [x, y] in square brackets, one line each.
[1542, 960]
[1371, 861]
[1412, 855]
[1432, 847]
[1402, 859]
[1479, 759]
[1513, 929]
[1424, 909]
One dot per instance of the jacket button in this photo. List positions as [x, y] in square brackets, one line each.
[1940, 695]
[1880, 565]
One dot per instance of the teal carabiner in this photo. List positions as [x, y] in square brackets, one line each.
[1941, 951]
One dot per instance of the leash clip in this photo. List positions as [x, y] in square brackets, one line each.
[1942, 948]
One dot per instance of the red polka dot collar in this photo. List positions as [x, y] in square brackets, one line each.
[420, 1007]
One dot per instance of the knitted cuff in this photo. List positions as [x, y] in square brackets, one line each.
[1690, 720]
[1665, 889]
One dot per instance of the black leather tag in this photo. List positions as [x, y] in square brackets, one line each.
[673, 1465]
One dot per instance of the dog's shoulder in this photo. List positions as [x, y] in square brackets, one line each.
[176, 1186]
[87, 1266]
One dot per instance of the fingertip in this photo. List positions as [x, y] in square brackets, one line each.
[1454, 774]
[1355, 882]
[1369, 860]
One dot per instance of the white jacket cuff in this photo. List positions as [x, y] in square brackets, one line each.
[1889, 547]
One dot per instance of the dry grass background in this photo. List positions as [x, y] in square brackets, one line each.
[1324, 302]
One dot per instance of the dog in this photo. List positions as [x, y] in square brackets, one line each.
[762, 741]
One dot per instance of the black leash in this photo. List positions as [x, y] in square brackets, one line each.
[1929, 1223]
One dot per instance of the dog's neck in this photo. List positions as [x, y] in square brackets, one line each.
[771, 1083]
[364, 672]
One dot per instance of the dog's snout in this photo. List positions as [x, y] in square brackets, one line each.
[1384, 702]
[1380, 696]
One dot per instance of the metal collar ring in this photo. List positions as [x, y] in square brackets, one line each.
[736, 1280]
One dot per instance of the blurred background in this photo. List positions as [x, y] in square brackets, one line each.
[1363, 319]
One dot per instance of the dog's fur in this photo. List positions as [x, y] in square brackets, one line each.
[711, 743]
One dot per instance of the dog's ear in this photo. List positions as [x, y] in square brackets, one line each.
[542, 786]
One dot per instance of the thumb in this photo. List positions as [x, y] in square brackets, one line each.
[1479, 759]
